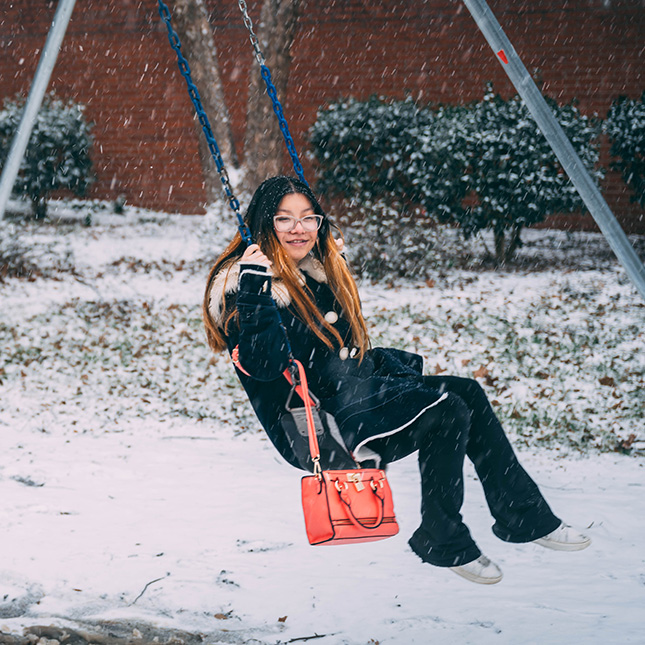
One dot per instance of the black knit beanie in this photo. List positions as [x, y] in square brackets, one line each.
[267, 198]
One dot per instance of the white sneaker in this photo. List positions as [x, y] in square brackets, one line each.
[481, 570]
[564, 538]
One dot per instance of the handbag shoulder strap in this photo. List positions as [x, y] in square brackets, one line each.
[302, 390]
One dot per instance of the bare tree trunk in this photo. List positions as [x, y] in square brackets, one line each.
[500, 247]
[190, 19]
[263, 144]
[505, 249]
[514, 243]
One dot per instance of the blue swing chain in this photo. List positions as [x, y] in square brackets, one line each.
[234, 203]
[271, 91]
[193, 92]
[184, 68]
[291, 146]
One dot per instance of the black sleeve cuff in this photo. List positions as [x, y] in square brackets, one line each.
[254, 280]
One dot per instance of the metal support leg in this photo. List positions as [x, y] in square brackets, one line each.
[35, 99]
[558, 140]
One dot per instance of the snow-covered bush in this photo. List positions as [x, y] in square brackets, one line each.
[481, 166]
[625, 125]
[384, 243]
[387, 151]
[513, 176]
[58, 154]
[372, 155]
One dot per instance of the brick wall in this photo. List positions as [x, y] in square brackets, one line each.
[117, 60]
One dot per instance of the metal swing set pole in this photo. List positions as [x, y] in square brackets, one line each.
[34, 100]
[558, 140]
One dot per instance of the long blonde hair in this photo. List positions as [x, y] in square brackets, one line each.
[259, 218]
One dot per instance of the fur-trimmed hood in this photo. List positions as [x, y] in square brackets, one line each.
[226, 282]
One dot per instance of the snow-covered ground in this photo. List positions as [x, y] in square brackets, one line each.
[137, 492]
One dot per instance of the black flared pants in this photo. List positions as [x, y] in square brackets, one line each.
[464, 424]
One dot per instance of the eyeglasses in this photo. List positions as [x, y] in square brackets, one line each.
[286, 223]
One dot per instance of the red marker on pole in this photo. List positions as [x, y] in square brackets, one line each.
[502, 56]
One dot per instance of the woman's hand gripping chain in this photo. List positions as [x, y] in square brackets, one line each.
[253, 255]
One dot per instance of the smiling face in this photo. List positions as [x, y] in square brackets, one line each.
[297, 242]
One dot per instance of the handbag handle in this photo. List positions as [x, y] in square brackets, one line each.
[354, 520]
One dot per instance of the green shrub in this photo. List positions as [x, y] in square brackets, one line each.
[372, 154]
[387, 151]
[513, 176]
[625, 126]
[481, 166]
[58, 153]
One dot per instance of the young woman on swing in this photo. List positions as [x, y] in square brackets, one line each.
[384, 406]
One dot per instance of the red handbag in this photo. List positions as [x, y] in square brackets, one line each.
[343, 506]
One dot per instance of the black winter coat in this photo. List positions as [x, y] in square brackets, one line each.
[373, 398]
